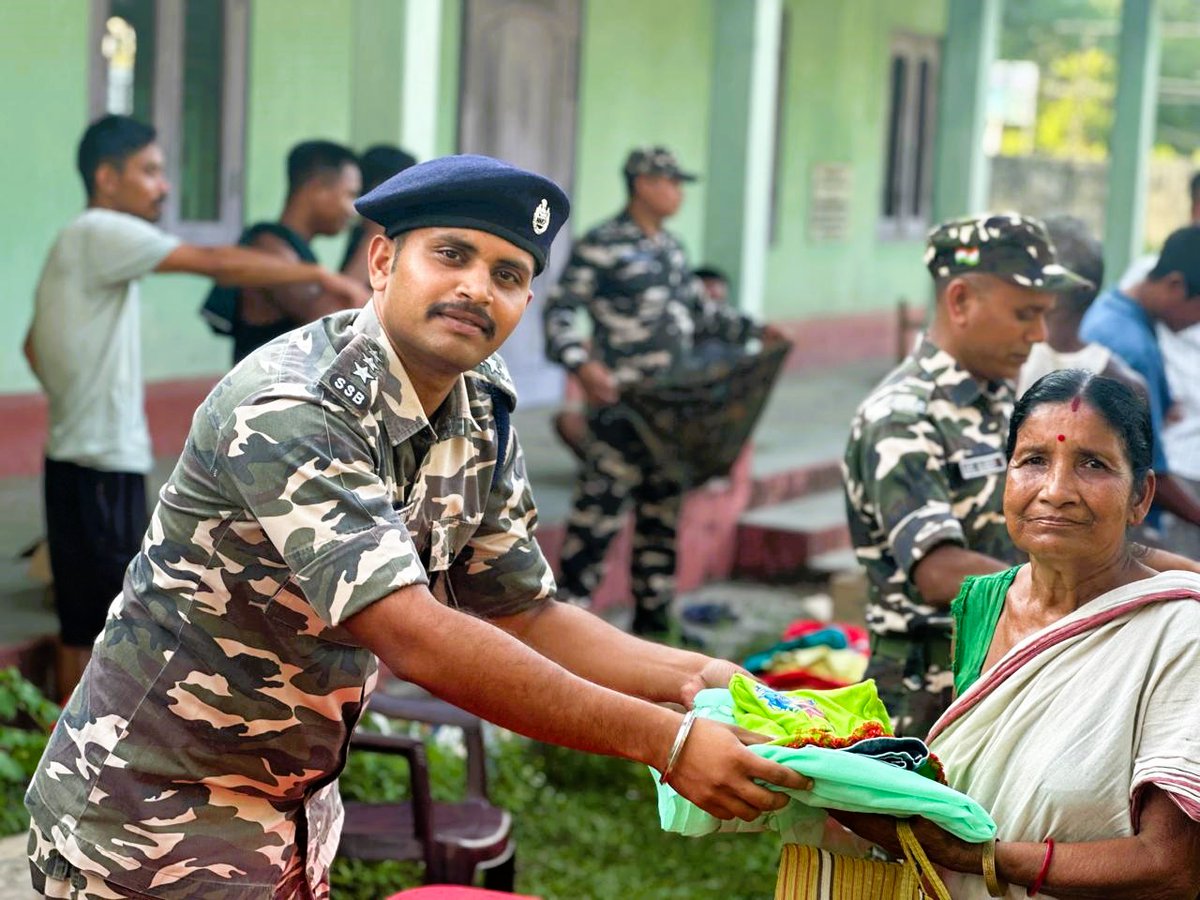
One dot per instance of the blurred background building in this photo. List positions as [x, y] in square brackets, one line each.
[829, 136]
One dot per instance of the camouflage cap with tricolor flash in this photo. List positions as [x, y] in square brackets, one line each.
[1005, 245]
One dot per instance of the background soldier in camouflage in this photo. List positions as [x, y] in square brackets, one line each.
[647, 310]
[924, 466]
[342, 495]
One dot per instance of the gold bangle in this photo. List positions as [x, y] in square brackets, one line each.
[995, 887]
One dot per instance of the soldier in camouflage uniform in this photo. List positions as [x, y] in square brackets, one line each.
[631, 276]
[343, 494]
[924, 467]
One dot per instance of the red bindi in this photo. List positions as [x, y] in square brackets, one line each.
[1062, 437]
[1074, 406]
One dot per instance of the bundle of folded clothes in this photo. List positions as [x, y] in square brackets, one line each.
[813, 654]
[843, 740]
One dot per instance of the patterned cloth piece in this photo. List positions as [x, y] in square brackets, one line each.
[841, 780]
[924, 466]
[199, 755]
[697, 423]
[795, 718]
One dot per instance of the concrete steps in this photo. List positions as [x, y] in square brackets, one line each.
[781, 541]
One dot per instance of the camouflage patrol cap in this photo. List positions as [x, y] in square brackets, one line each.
[655, 161]
[1006, 245]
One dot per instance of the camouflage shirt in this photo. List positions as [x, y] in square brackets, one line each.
[924, 466]
[206, 738]
[647, 309]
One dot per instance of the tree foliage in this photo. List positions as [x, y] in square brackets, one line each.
[1074, 43]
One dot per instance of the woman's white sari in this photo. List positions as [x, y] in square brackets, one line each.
[1058, 738]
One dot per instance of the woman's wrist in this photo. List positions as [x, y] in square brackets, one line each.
[966, 858]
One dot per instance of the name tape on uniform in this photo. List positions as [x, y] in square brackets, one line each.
[984, 464]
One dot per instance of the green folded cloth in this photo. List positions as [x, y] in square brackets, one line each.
[841, 780]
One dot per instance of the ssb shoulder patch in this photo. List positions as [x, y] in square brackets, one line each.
[352, 379]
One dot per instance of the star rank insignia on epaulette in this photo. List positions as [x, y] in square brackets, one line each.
[353, 377]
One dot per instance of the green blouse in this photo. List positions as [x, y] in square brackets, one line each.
[976, 610]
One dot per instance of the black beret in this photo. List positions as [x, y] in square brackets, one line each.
[471, 192]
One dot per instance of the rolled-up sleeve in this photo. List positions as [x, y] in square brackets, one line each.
[503, 571]
[907, 488]
[306, 473]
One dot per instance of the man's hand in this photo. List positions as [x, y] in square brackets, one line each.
[598, 383]
[714, 674]
[350, 292]
[773, 335]
[717, 773]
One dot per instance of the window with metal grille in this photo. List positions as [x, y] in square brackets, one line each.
[908, 149]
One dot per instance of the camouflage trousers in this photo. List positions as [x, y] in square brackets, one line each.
[52, 876]
[617, 468]
[915, 679]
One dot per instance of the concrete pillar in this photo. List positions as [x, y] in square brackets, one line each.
[742, 144]
[960, 184]
[421, 62]
[1132, 134]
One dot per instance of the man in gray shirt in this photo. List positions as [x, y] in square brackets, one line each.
[84, 347]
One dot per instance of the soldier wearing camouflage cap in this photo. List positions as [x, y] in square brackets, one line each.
[632, 278]
[352, 490]
[924, 467]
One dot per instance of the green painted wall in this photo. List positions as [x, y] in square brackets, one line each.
[375, 105]
[301, 77]
[44, 49]
[836, 105]
[299, 83]
[645, 77]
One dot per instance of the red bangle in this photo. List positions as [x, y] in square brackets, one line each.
[1041, 876]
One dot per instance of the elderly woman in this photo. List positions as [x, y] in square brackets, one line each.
[1077, 724]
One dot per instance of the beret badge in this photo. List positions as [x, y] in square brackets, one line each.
[541, 217]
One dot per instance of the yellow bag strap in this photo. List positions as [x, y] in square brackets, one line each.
[915, 854]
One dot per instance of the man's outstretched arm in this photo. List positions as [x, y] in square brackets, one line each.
[487, 671]
[591, 648]
[244, 267]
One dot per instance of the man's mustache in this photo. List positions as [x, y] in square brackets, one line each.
[471, 310]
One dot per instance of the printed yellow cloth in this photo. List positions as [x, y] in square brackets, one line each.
[834, 718]
[824, 662]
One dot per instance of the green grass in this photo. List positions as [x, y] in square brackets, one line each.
[586, 827]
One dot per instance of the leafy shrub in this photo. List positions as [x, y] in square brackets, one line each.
[26, 718]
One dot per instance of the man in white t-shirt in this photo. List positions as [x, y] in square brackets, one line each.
[84, 347]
